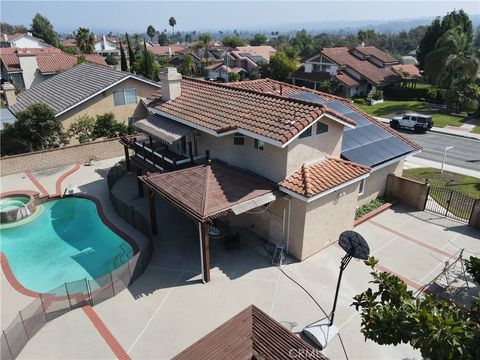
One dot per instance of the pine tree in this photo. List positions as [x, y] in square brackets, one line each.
[123, 58]
[146, 61]
[131, 55]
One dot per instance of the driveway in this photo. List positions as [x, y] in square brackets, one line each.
[167, 308]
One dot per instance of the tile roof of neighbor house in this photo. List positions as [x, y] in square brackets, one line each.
[168, 49]
[346, 79]
[375, 127]
[377, 53]
[326, 174]
[377, 75]
[222, 108]
[314, 76]
[250, 335]
[72, 86]
[49, 60]
[410, 70]
[210, 190]
[265, 51]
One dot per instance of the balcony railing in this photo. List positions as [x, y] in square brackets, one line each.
[160, 157]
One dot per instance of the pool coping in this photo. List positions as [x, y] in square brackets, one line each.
[40, 199]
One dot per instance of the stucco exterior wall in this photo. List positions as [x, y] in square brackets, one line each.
[28, 42]
[29, 66]
[315, 147]
[103, 103]
[376, 183]
[319, 223]
[269, 163]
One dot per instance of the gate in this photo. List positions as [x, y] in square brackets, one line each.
[450, 203]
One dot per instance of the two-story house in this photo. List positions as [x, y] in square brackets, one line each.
[274, 158]
[20, 40]
[358, 71]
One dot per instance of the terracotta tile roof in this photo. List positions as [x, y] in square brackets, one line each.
[377, 53]
[284, 89]
[411, 70]
[311, 180]
[223, 108]
[167, 50]
[69, 42]
[208, 191]
[250, 335]
[264, 51]
[377, 75]
[11, 62]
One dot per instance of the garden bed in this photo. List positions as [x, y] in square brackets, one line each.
[369, 210]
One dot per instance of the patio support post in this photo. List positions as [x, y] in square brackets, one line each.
[139, 183]
[205, 251]
[152, 213]
[127, 158]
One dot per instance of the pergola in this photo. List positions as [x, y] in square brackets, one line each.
[206, 192]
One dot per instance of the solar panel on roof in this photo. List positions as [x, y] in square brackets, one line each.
[309, 97]
[377, 152]
[338, 107]
[361, 120]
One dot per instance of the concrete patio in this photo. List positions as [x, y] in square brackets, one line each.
[168, 308]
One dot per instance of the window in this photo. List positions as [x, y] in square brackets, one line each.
[124, 97]
[259, 144]
[361, 188]
[306, 133]
[321, 128]
[132, 119]
[238, 139]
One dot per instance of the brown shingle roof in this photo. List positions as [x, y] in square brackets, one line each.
[377, 75]
[346, 79]
[311, 180]
[250, 335]
[223, 108]
[208, 191]
[377, 53]
[410, 70]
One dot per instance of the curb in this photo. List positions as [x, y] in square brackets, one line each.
[440, 131]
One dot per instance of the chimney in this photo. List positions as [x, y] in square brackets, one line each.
[29, 66]
[9, 92]
[170, 80]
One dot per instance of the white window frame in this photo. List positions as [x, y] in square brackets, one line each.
[239, 136]
[259, 144]
[361, 187]
[125, 97]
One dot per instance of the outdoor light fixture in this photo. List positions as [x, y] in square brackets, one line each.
[355, 246]
[445, 156]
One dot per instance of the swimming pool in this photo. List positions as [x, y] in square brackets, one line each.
[64, 240]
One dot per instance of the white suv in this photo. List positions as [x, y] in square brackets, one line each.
[416, 122]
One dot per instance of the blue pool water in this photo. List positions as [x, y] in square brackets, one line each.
[65, 240]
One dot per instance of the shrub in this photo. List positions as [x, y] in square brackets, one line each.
[377, 95]
[473, 268]
[82, 129]
[435, 95]
[111, 60]
[372, 205]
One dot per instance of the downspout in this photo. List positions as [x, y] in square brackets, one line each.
[201, 250]
[288, 222]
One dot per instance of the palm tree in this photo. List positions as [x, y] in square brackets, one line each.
[454, 58]
[188, 66]
[172, 22]
[205, 45]
[151, 32]
[85, 40]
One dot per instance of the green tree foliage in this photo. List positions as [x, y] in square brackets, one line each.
[232, 41]
[204, 43]
[234, 77]
[106, 126]
[82, 129]
[151, 32]
[131, 54]
[187, 66]
[36, 128]
[81, 58]
[12, 29]
[463, 96]
[163, 39]
[147, 62]
[172, 22]
[281, 66]
[111, 60]
[473, 268]
[304, 44]
[43, 29]
[253, 75]
[85, 40]
[123, 58]
[392, 315]
[258, 39]
[145, 65]
[330, 87]
[453, 58]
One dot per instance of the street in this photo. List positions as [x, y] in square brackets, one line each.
[465, 152]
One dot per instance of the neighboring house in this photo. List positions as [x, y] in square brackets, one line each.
[22, 41]
[358, 71]
[288, 163]
[89, 89]
[256, 53]
[220, 71]
[104, 45]
[26, 67]
[169, 51]
[407, 71]
[408, 59]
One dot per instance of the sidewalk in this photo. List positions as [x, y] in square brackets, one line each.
[416, 162]
[448, 131]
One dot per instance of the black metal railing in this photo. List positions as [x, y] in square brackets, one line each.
[449, 203]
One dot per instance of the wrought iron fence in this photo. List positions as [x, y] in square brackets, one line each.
[449, 203]
[69, 296]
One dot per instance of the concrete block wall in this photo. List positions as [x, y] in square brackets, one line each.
[46, 159]
[410, 192]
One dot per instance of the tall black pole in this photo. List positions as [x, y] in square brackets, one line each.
[345, 260]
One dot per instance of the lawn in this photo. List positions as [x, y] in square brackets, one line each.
[390, 108]
[465, 184]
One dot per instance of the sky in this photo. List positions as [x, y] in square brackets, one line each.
[66, 16]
